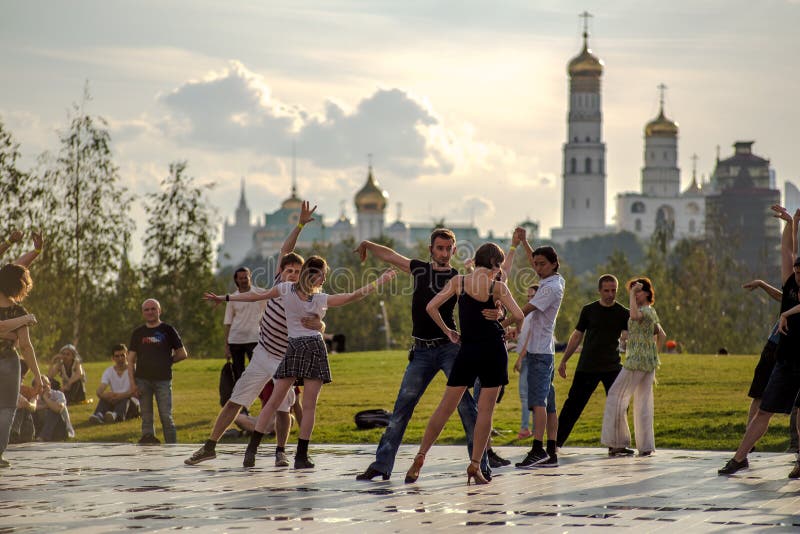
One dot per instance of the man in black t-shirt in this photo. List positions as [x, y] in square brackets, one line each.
[781, 392]
[154, 347]
[432, 352]
[599, 327]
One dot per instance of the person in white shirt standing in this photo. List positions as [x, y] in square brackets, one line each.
[114, 391]
[241, 324]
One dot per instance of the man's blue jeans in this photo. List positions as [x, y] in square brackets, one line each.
[162, 390]
[419, 373]
[119, 408]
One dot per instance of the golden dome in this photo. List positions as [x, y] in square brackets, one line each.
[585, 63]
[371, 197]
[293, 202]
[661, 126]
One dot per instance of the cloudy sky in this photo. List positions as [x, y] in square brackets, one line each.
[461, 103]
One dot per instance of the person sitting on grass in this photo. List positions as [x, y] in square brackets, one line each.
[66, 365]
[52, 416]
[114, 393]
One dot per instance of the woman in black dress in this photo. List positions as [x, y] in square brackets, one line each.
[482, 355]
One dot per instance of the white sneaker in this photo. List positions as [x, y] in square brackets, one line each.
[110, 417]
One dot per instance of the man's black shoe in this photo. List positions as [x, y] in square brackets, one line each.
[552, 461]
[371, 473]
[732, 466]
[249, 458]
[149, 439]
[496, 461]
[200, 455]
[302, 462]
[620, 451]
[532, 459]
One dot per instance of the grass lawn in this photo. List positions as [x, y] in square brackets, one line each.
[700, 403]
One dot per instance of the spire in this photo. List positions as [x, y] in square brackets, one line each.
[242, 200]
[294, 171]
[694, 188]
[661, 89]
[585, 16]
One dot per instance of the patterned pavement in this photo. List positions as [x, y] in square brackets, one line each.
[55, 487]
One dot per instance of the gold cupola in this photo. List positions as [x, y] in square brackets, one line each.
[585, 64]
[371, 198]
[661, 126]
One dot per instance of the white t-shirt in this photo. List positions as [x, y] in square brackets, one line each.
[243, 318]
[117, 384]
[296, 309]
[547, 301]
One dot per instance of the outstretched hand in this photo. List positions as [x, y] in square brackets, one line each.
[306, 213]
[213, 298]
[361, 250]
[38, 240]
[751, 285]
[386, 276]
[781, 212]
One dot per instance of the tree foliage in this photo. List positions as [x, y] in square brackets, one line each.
[178, 258]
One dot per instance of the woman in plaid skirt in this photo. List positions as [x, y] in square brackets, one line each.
[306, 356]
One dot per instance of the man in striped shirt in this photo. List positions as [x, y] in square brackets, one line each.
[272, 343]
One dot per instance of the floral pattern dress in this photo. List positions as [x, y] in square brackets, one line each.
[642, 354]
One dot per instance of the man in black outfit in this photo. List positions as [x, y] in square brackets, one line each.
[154, 347]
[599, 327]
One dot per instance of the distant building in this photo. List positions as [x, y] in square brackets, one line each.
[661, 206]
[242, 239]
[791, 197]
[738, 211]
[583, 212]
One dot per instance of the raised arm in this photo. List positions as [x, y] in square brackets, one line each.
[12, 238]
[385, 254]
[306, 216]
[436, 302]
[516, 238]
[38, 244]
[340, 299]
[9, 325]
[636, 313]
[528, 251]
[787, 237]
[773, 292]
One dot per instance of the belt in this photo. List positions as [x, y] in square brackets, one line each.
[430, 343]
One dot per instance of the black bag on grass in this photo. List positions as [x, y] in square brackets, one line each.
[367, 419]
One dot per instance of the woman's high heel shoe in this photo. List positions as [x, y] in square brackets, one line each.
[413, 472]
[474, 472]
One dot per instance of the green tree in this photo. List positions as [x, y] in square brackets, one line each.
[88, 229]
[178, 260]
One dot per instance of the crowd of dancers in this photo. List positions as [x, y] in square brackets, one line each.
[281, 330]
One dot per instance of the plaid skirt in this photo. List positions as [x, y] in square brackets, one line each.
[306, 357]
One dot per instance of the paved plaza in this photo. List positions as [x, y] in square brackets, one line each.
[54, 487]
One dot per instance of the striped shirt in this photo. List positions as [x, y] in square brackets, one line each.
[273, 334]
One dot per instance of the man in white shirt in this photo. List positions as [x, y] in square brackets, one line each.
[114, 391]
[241, 324]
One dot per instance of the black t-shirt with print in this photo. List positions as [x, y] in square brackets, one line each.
[153, 347]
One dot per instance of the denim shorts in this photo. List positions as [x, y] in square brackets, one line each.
[541, 371]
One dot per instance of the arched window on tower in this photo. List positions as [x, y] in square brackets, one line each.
[637, 225]
[572, 203]
[573, 165]
[587, 166]
[637, 207]
[601, 164]
[692, 226]
[587, 203]
[588, 139]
